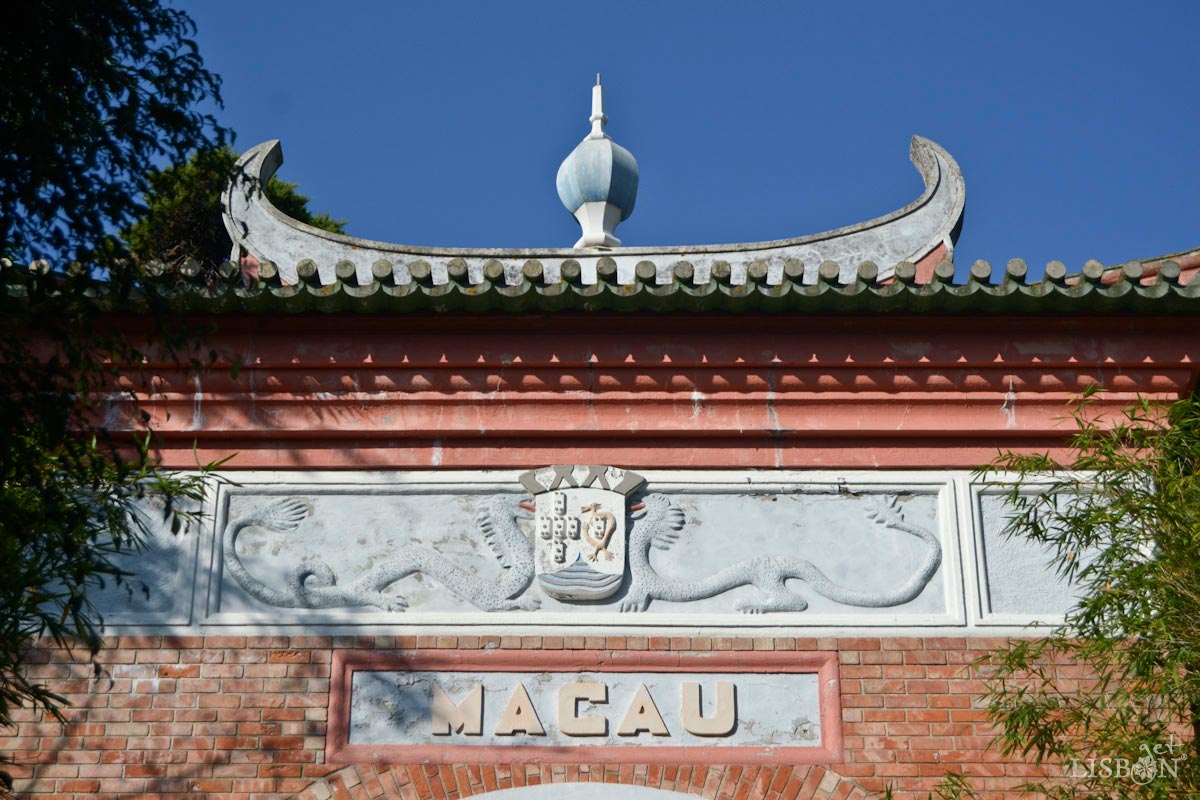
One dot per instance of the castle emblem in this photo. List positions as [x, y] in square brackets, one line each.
[580, 537]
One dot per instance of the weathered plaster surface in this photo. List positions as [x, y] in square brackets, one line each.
[804, 549]
[772, 709]
[1019, 576]
[256, 226]
[162, 572]
[582, 791]
[865, 392]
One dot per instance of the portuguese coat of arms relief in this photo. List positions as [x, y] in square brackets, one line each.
[583, 536]
[580, 530]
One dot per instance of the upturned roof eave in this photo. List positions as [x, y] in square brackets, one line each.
[931, 221]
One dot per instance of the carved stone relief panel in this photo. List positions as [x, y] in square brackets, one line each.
[818, 550]
[372, 550]
[590, 545]
[586, 541]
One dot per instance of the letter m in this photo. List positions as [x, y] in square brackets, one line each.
[465, 718]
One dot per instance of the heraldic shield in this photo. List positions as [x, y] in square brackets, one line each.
[579, 529]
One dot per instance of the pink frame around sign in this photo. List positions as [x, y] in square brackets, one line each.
[339, 750]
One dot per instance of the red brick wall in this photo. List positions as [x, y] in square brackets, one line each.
[245, 717]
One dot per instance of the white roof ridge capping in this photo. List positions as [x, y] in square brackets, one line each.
[908, 234]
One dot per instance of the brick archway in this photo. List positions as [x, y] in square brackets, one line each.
[427, 782]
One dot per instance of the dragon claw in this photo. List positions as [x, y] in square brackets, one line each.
[751, 608]
[635, 604]
[392, 603]
[521, 604]
[285, 515]
[771, 605]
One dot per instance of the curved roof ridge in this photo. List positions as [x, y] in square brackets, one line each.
[930, 222]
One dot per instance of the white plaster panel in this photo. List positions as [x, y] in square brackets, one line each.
[772, 709]
[394, 551]
[582, 791]
[159, 588]
[1017, 579]
[730, 536]
[828, 527]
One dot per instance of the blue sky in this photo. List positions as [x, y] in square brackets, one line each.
[1077, 125]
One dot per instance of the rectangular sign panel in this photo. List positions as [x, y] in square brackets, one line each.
[514, 706]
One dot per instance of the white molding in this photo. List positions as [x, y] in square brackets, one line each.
[1000, 483]
[961, 575]
[188, 578]
[582, 791]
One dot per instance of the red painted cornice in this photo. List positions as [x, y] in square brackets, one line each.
[465, 392]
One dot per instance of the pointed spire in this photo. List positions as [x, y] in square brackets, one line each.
[598, 181]
[598, 119]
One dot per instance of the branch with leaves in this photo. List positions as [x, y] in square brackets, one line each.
[1122, 525]
[95, 92]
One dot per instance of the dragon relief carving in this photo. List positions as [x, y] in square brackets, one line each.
[659, 526]
[654, 522]
[313, 584]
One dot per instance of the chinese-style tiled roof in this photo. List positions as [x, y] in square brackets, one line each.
[924, 230]
[527, 287]
[886, 265]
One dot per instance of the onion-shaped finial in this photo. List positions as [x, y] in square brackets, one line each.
[598, 181]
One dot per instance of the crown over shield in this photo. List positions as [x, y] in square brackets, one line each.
[579, 529]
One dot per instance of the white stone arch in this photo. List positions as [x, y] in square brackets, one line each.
[809, 781]
[582, 791]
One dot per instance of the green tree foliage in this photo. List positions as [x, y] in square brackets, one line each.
[72, 498]
[1122, 523]
[183, 211]
[93, 91]
[1108, 702]
[951, 787]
